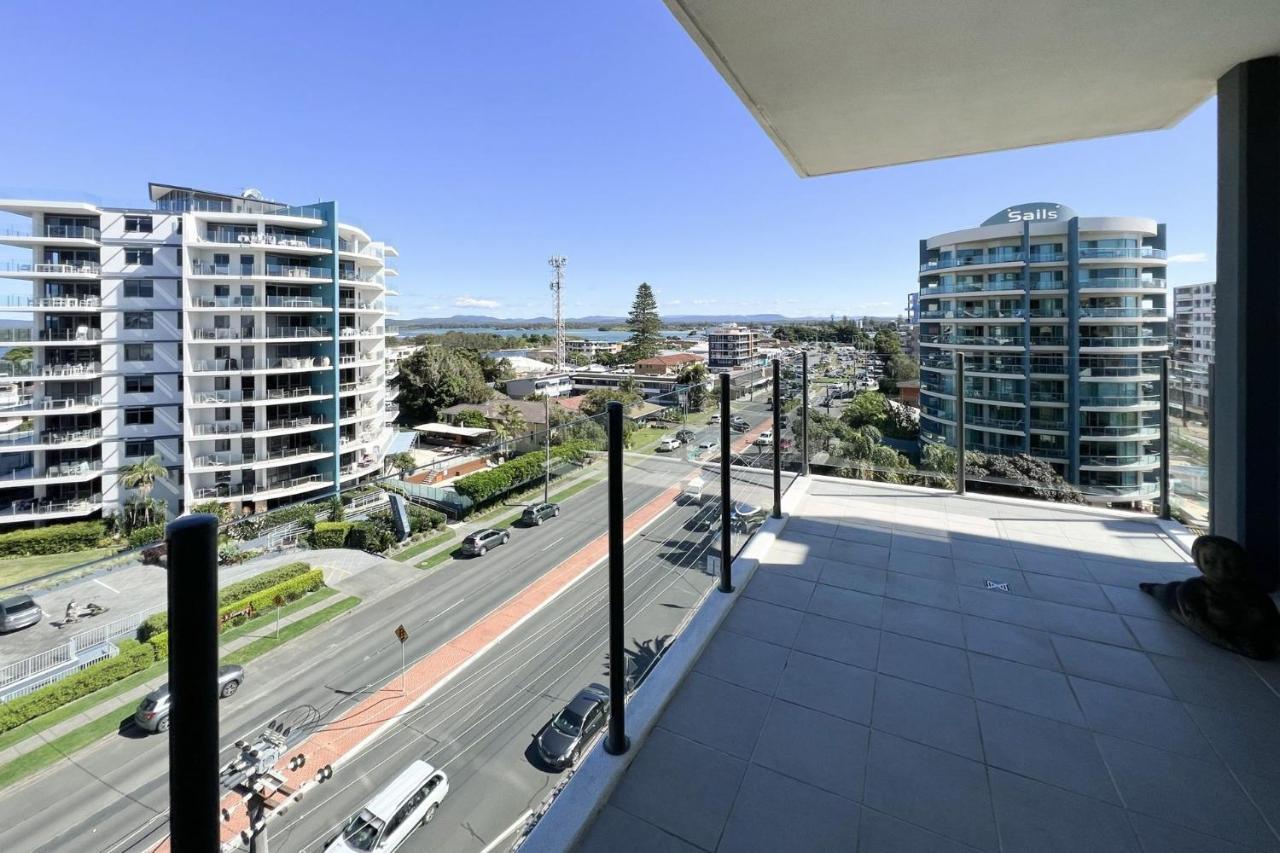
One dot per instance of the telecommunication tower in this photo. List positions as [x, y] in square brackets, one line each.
[557, 263]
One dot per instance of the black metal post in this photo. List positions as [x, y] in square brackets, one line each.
[193, 682]
[1208, 404]
[959, 356]
[1165, 491]
[804, 413]
[777, 438]
[616, 743]
[726, 489]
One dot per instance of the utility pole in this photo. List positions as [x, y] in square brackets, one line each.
[557, 263]
[546, 475]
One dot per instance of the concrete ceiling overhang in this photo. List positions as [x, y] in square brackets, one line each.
[841, 85]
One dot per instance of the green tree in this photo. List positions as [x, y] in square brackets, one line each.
[694, 376]
[579, 359]
[595, 402]
[18, 355]
[434, 378]
[403, 462]
[645, 325]
[870, 408]
[512, 419]
[141, 477]
[886, 341]
[471, 418]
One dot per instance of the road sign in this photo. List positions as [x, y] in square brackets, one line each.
[401, 634]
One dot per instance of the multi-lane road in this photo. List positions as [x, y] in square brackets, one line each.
[113, 796]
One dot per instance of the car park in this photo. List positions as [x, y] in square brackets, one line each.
[481, 541]
[668, 444]
[18, 612]
[563, 738]
[411, 800]
[535, 514]
[152, 714]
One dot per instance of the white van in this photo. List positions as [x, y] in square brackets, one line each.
[694, 491]
[410, 801]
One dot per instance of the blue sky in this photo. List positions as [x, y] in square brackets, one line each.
[481, 138]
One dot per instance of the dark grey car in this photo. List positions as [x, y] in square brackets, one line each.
[535, 514]
[563, 738]
[153, 711]
[19, 612]
[482, 540]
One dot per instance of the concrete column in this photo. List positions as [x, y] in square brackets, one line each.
[1245, 432]
[1073, 351]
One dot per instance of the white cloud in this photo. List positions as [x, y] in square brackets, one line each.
[472, 302]
[1189, 258]
[673, 301]
[704, 301]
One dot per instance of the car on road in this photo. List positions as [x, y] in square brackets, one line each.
[18, 612]
[535, 514]
[707, 446]
[390, 817]
[562, 739]
[153, 711]
[764, 439]
[747, 517]
[714, 419]
[739, 424]
[668, 444]
[694, 491]
[482, 540]
[686, 435]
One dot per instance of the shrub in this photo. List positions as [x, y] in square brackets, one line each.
[373, 536]
[422, 519]
[358, 492]
[266, 599]
[133, 657]
[160, 645]
[253, 526]
[330, 534]
[55, 539]
[215, 508]
[146, 535]
[159, 622]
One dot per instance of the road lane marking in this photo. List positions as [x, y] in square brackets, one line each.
[510, 829]
[101, 584]
[552, 545]
[443, 612]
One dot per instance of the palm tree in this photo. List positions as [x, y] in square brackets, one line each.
[513, 419]
[142, 477]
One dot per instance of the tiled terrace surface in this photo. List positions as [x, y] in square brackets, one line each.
[869, 692]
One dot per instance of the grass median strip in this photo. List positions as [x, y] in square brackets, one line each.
[422, 547]
[436, 559]
[80, 737]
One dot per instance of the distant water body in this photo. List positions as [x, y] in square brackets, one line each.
[612, 336]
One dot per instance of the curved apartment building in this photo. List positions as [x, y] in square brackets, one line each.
[239, 340]
[1061, 321]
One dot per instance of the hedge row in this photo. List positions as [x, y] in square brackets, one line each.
[486, 485]
[231, 593]
[146, 535]
[133, 657]
[241, 611]
[330, 534]
[422, 519]
[253, 526]
[55, 539]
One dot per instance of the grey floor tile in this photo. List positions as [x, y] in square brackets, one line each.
[852, 576]
[1046, 750]
[1043, 561]
[1035, 818]
[779, 589]
[859, 553]
[1132, 601]
[929, 663]
[1067, 591]
[1197, 794]
[716, 714]
[616, 831]
[838, 640]
[1110, 664]
[681, 787]
[1134, 715]
[779, 563]
[1229, 686]
[926, 623]
[992, 604]
[865, 533]
[828, 686]
[1133, 572]
[1012, 642]
[941, 792]
[921, 543]
[847, 604]
[816, 748]
[1024, 688]
[990, 555]
[814, 526]
[1157, 836]
[744, 661]
[1164, 636]
[978, 577]
[933, 566]
[1266, 796]
[880, 833]
[926, 591]
[1245, 739]
[764, 621]
[927, 715]
[814, 819]
[815, 546]
[1085, 623]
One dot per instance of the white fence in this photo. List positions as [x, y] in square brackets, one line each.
[61, 656]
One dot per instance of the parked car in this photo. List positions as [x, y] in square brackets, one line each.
[714, 419]
[153, 711]
[482, 540]
[764, 439]
[535, 514]
[686, 435]
[561, 740]
[19, 612]
[392, 814]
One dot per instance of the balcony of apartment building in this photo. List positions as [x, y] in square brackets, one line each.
[261, 240]
[261, 489]
[69, 232]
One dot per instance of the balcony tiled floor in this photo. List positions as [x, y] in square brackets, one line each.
[873, 690]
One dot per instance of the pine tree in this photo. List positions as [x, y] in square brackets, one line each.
[645, 325]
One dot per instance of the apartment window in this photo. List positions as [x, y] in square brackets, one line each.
[139, 352]
[137, 225]
[138, 288]
[179, 224]
[178, 255]
[139, 415]
[139, 447]
[177, 319]
[139, 320]
[141, 257]
[141, 384]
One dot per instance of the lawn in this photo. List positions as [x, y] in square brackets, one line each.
[19, 569]
[423, 546]
[645, 440]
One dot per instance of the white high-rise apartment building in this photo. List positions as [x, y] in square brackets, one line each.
[239, 340]
[732, 347]
[1193, 340]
